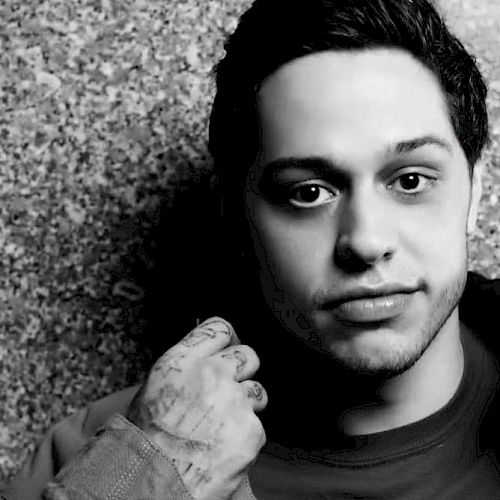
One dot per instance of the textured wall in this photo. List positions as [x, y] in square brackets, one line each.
[103, 109]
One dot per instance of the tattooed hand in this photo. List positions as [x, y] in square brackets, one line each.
[198, 406]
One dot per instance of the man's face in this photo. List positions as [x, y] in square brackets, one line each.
[358, 206]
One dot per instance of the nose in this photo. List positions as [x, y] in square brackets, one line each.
[365, 234]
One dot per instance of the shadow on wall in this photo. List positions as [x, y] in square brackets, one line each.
[184, 282]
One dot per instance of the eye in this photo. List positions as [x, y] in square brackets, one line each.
[309, 195]
[412, 183]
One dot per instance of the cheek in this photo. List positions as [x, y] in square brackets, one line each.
[293, 254]
[437, 236]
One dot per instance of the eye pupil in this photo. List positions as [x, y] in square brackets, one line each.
[308, 194]
[410, 181]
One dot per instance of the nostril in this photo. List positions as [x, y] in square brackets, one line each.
[351, 259]
[347, 260]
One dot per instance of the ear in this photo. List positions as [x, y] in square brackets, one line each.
[476, 192]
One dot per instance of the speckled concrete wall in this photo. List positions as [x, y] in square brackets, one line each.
[103, 109]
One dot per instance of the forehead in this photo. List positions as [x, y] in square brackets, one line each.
[377, 96]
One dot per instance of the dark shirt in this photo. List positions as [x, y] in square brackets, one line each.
[435, 458]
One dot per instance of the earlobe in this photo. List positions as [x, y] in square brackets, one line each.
[476, 192]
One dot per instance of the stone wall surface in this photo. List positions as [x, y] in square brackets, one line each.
[103, 115]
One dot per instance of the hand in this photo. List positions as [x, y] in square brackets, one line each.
[198, 405]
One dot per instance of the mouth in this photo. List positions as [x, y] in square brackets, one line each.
[370, 307]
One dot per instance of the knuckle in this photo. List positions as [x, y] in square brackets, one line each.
[256, 391]
[165, 368]
[256, 430]
[217, 325]
[236, 355]
[246, 354]
[211, 329]
[263, 438]
[251, 354]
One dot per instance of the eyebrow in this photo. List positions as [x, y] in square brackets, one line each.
[317, 164]
[320, 164]
[410, 145]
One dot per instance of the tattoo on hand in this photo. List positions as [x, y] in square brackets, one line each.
[156, 406]
[240, 358]
[202, 419]
[256, 392]
[198, 337]
[207, 326]
[165, 367]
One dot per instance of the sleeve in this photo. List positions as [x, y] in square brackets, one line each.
[119, 462]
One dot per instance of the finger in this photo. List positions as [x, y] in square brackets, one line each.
[241, 360]
[209, 337]
[256, 393]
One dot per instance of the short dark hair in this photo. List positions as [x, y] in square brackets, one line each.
[274, 32]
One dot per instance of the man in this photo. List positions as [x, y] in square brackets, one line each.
[347, 136]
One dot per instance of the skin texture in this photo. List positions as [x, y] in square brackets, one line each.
[198, 405]
[393, 206]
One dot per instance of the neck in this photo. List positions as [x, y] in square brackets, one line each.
[415, 394]
[303, 393]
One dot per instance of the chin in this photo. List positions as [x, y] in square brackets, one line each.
[390, 364]
[379, 353]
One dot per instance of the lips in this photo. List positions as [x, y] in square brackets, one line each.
[364, 306]
[370, 310]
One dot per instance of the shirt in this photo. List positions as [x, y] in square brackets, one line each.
[437, 457]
